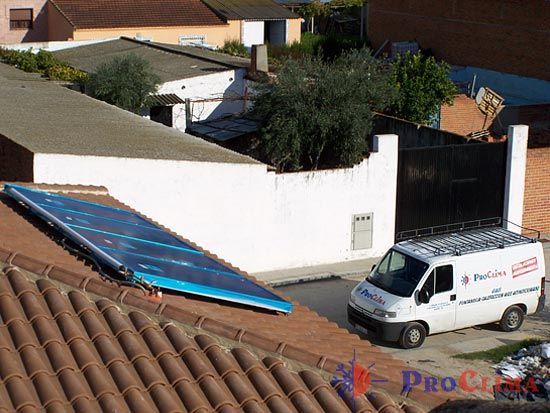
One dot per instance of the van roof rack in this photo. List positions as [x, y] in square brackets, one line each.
[467, 238]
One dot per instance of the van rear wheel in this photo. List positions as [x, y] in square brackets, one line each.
[412, 336]
[512, 319]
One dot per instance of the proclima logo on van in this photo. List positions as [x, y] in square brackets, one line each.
[468, 278]
[373, 297]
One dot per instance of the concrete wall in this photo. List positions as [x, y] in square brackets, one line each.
[230, 83]
[536, 204]
[516, 159]
[505, 35]
[253, 218]
[39, 32]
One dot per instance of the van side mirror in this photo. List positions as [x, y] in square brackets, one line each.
[372, 268]
[423, 296]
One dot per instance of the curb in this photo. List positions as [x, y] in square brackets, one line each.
[302, 279]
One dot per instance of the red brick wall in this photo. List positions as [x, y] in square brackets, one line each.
[506, 35]
[536, 205]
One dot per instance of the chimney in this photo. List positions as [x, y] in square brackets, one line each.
[258, 61]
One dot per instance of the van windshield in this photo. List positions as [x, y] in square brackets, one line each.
[398, 273]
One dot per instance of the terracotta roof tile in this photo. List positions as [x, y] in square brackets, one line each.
[463, 116]
[105, 14]
[65, 340]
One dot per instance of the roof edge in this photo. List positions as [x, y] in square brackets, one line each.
[168, 49]
[58, 188]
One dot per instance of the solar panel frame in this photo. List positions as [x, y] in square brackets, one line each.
[259, 296]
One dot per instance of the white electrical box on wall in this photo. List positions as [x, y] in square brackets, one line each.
[361, 231]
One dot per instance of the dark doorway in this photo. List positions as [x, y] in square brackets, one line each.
[162, 114]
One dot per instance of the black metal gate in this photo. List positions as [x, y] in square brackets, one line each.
[440, 185]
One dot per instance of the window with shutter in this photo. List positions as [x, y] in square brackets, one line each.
[20, 19]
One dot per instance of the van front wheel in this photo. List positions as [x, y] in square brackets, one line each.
[512, 319]
[412, 336]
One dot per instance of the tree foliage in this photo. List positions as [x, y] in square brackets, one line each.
[319, 113]
[314, 9]
[423, 85]
[125, 81]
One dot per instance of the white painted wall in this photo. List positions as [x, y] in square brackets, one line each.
[229, 83]
[516, 162]
[255, 219]
[54, 45]
[252, 33]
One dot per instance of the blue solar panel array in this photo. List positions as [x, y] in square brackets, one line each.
[123, 239]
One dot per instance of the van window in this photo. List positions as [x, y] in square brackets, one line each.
[440, 280]
[398, 273]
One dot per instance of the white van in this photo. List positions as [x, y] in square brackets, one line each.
[446, 282]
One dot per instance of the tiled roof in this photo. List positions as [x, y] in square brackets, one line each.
[44, 117]
[105, 14]
[67, 336]
[463, 116]
[250, 10]
[168, 62]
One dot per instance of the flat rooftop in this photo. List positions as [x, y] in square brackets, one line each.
[45, 117]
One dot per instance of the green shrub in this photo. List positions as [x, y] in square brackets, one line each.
[42, 62]
[66, 73]
[328, 46]
[24, 60]
[45, 60]
[234, 48]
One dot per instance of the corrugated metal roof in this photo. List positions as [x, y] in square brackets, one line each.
[44, 117]
[250, 10]
[169, 62]
[165, 99]
[224, 129]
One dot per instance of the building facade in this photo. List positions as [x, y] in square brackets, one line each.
[23, 21]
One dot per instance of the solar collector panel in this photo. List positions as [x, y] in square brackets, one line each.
[122, 239]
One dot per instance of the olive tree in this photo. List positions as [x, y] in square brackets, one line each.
[317, 113]
[125, 81]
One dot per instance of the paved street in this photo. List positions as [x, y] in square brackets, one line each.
[329, 298]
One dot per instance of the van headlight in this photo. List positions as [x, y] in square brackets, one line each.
[385, 314]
